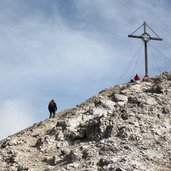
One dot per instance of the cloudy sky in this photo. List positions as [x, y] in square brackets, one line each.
[69, 50]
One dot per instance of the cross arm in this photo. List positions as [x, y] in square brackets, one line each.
[140, 37]
[134, 36]
[156, 38]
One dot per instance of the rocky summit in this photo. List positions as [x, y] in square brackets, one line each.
[123, 128]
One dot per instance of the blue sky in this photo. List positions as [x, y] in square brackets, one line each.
[70, 50]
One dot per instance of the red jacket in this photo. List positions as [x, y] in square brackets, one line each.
[136, 78]
[52, 106]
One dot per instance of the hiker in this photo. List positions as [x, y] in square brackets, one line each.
[146, 77]
[136, 78]
[132, 81]
[52, 108]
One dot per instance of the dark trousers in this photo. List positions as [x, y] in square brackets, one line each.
[52, 114]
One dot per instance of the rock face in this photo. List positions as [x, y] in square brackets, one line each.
[123, 128]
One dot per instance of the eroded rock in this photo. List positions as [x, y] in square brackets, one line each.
[126, 127]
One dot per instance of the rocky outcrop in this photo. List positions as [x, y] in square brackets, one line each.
[123, 128]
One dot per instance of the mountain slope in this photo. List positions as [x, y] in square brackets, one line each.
[126, 127]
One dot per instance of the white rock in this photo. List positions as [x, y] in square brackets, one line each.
[121, 98]
[99, 112]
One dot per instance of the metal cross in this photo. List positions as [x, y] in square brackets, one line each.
[145, 37]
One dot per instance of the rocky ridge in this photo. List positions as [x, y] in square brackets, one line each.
[123, 128]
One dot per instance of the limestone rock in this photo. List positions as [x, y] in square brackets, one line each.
[125, 127]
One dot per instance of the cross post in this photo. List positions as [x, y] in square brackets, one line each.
[145, 37]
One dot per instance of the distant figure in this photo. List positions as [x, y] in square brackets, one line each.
[132, 81]
[52, 108]
[136, 78]
[146, 77]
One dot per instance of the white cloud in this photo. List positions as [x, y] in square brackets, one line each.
[15, 116]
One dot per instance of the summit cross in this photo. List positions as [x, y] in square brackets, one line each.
[145, 37]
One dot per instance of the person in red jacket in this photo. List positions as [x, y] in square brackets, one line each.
[52, 108]
[137, 78]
